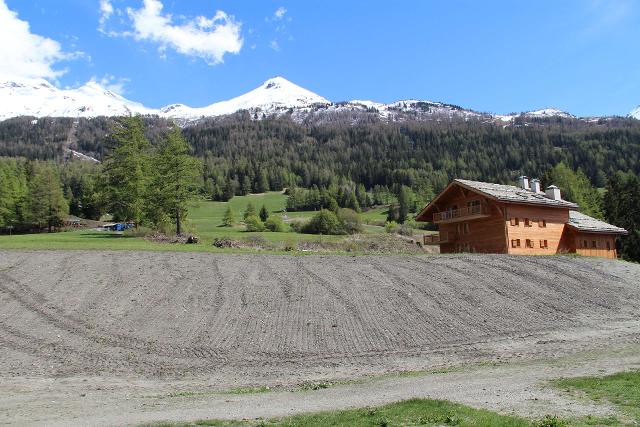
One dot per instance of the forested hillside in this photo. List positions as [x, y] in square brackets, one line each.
[420, 155]
[330, 165]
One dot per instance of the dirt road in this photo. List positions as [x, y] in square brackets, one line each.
[124, 325]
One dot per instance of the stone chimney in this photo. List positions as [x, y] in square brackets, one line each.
[535, 185]
[523, 182]
[553, 192]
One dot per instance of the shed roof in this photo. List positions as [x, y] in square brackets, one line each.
[513, 194]
[582, 222]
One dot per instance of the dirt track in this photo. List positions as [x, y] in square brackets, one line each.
[222, 321]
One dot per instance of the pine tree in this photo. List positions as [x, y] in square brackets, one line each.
[174, 180]
[246, 185]
[229, 219]
[621, 208]
[263, 182]
[125, 170]
[264, 213]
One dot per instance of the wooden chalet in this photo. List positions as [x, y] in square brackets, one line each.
[483, 217]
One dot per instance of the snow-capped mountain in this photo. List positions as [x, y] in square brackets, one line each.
[275, 97]
[39, 98]
[544, 113]
[635, 113]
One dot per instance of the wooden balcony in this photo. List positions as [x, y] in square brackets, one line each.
[440, 238]
[462, 214]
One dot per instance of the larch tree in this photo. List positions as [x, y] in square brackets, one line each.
[125, 170]
[46, 202]
[404, 203]
[13, 192]
[229, 219]
[174, 183]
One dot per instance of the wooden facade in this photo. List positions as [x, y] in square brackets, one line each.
[591, 244]
[536, 230]
[470, 221]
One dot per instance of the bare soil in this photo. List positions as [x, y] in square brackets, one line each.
[129, 328]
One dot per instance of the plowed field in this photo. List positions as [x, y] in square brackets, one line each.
[170, 314]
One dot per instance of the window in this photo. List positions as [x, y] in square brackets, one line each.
[608, 245]
[474, 206]
[544, 244]
[527, 222]
[584, 244]
[515, 222]
[467, 230]
[529, 243]
[542, 223]
[593, 244]
[515, 243]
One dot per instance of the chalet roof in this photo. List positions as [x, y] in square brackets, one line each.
[513, 194]
[582, 222]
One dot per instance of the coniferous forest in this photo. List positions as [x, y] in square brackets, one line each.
[341, 164]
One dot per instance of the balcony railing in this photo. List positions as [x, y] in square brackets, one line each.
[438, 239]
[469, 212]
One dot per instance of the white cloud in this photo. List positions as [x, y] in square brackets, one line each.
[203, 37]
[112, 83]
[279, 13]
[278, 22]
[24, 54]
[106, 10]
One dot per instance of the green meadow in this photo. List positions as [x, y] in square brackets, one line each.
[205, 221]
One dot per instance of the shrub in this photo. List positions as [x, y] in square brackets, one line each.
[274, 223]
[297, 225]
[253, 223]
[350, 220]
[390, 226]
[402, 229]
[550, 421]
[324, 222]
[290, 245]
[257, 241]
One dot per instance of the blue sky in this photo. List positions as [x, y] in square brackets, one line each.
[497, 56]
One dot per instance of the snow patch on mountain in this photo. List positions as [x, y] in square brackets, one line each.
[275, 97]
[39, 98]
[635, 113]
[544, 113]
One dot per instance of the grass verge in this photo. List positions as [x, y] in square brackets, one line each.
[621, 390]
[424, 412]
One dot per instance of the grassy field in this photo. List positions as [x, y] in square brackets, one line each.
[205, 220]
[422, 412]
[621, 390]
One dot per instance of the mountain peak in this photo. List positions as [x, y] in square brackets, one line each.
[276, 82]
[635, 113]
